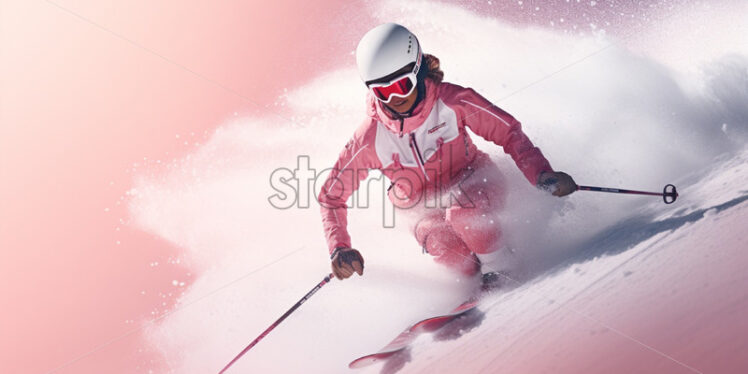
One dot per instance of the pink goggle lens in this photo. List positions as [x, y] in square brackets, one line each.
[400, 87]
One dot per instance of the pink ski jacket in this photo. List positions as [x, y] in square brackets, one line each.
[423, 153]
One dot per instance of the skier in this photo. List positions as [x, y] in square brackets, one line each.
[416, 135]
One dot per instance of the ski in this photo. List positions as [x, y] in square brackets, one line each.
[403, 340]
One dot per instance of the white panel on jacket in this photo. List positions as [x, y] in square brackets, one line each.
[441, 123]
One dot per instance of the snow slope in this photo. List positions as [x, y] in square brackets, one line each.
[656, 293]
[615, 283]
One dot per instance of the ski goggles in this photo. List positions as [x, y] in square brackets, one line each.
[400, 86]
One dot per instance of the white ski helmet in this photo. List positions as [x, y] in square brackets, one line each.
[386, 49]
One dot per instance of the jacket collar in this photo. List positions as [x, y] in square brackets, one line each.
[377, 111]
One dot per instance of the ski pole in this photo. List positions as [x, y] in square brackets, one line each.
[669, 193]
[276, 323]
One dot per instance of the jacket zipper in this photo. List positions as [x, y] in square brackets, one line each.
[414, 149]
[417, 154]
[465, 140]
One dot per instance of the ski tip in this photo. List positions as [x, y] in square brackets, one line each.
[371, 359]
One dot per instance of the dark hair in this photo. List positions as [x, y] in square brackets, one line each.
[431, 68]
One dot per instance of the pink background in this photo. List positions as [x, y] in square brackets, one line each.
[83, 105]
[81, 108]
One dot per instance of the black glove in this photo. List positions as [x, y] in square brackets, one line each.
[557, 183]
[346, 261]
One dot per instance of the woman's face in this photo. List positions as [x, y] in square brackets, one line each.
[403, 104]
